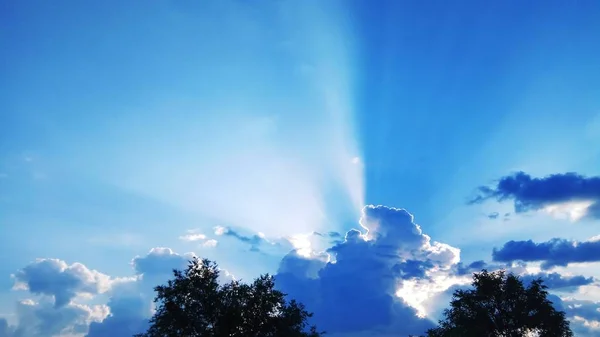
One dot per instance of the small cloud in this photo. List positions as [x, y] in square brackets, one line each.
[192, 237]
[220, 230]
[209, 243]
[255, 241]
[493, 215]
[334, 235]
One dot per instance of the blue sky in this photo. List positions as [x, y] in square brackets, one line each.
[235, 130]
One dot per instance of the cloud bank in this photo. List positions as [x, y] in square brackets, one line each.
[60, 286]
[386, 278]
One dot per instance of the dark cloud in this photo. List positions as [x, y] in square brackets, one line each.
[473, 267]
[558, 281]
[556, 252]
[355, 291]
[530, 194]
[53, 277]
[551, 280]
[255, 241]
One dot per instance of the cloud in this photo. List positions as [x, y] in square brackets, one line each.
[493, 215]
[255, 241]
[551, 280]
[130, 308]
[558, 281]
[583, 315]
[160, 261]
[43, 319]
[376, 279]
[126, 313]
[473, 267]
[210, 243]
[53, 277]
[552, 253]
[192, 236]
[131, 302]
[570, 194]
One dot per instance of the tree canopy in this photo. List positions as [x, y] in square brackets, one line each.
[499, 305]
[195, 304]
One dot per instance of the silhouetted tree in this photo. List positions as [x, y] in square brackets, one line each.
[194, 304]
[499, 305]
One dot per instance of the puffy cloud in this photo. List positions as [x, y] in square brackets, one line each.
[45, 320]
[357, 287]
[130, 303]
[572, 194]
[556, 252]
[126, 313]
[63, 282]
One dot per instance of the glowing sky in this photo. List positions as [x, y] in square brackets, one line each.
[260, 133]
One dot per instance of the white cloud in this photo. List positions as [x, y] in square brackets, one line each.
[573, 210]
[210, 243]
[192, 237]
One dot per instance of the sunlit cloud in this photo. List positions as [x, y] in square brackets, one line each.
[573, 211]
